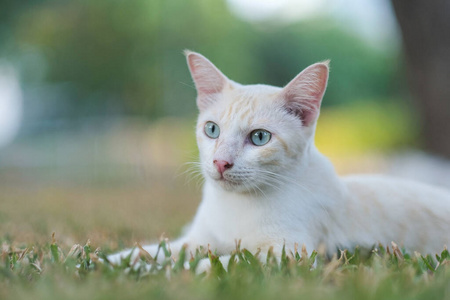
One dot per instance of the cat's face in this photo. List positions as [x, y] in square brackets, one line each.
[248, 129]
[250, 137]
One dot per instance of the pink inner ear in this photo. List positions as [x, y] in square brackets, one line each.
[207, 78]
[304, 93]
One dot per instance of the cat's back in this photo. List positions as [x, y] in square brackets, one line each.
[393, 209]
[392, 191]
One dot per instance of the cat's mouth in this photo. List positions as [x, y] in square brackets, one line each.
[229, 185]
[237, 183]
[230, 180]
[226, 181]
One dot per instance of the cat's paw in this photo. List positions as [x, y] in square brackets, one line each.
[204, 265]
[114, 259]
[133, 261]
[117, 258]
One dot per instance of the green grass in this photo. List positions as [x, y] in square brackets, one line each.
[115, 204]
[49, 272]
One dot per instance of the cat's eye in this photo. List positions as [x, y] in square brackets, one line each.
[260, 137]
[212, 130]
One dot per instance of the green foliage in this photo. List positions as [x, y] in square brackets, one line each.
[126, 56]
[46, 272]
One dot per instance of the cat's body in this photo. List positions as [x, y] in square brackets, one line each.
[268, 186]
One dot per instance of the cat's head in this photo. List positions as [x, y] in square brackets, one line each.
[251, 137]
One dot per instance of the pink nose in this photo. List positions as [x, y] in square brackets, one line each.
[222, 165]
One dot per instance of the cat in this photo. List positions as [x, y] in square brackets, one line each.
[267, 185]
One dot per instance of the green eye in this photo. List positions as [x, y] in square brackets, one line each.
[260, 137]
[212, 130]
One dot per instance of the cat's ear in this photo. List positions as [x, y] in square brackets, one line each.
[303, 95]
[207, 78]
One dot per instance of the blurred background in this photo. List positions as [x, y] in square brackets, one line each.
[97, 107]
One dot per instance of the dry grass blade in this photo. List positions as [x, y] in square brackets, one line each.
[397, 252]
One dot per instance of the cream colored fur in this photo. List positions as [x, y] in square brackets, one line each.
[286, 192]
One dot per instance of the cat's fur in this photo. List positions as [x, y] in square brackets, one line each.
[286, 192]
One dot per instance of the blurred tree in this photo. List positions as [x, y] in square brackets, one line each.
[425, 26]
[358, 72]
[106, 57]
[127, 54]
[10, 10]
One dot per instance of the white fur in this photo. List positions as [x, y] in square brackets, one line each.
[286, 192]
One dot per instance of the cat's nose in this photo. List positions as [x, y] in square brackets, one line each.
[222, 165]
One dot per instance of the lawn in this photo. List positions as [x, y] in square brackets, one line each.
[106, 192]
[113, 216]
[50, 272]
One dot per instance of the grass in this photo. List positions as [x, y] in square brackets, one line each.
[49, 272]
[128, 191]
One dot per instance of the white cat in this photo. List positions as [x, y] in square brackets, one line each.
[267, 184]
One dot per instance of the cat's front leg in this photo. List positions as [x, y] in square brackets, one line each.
[155, 251]
[204, 265]
[117, 258]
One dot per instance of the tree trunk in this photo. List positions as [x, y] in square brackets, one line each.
[425, 27]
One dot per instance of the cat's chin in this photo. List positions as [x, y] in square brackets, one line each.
[233, 186]
[229, 185]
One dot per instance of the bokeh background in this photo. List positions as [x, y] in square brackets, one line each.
[97, 107]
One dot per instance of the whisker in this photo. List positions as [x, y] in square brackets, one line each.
[192, 173]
